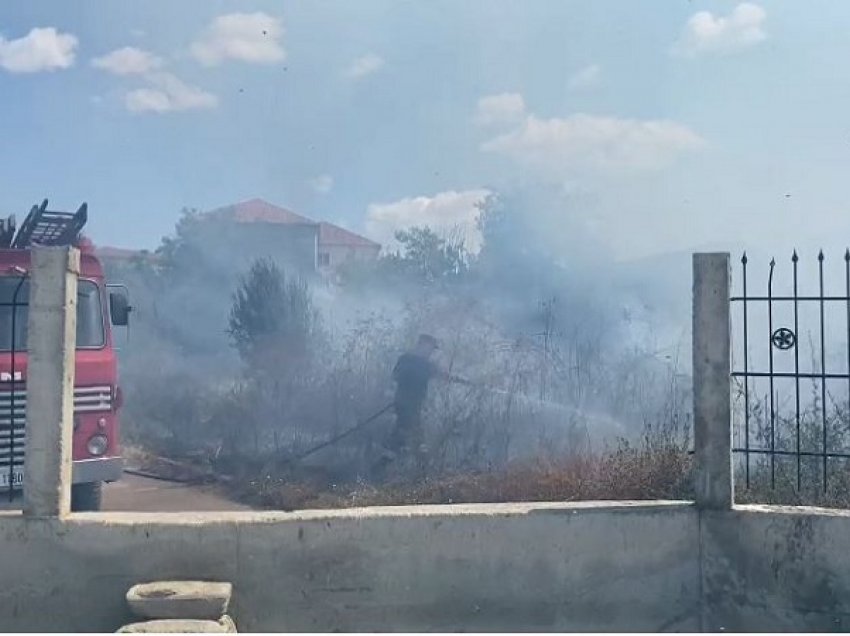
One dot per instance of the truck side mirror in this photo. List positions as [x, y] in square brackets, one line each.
[119, 306]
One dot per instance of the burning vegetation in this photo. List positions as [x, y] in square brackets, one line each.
[244, 371]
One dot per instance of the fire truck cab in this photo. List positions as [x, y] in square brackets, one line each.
[97, 396]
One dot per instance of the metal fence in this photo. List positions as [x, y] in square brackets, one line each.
[784, 431]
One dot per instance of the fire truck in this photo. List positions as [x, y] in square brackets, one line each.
[97, 396]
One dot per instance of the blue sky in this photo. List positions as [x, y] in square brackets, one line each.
[667, 125]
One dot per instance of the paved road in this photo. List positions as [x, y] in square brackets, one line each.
[141, 494]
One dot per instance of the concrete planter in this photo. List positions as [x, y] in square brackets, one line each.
[196, 600]
[181, 626]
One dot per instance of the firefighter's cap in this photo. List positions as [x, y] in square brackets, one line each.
[429, 340]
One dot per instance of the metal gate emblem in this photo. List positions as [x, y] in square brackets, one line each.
[783, 339]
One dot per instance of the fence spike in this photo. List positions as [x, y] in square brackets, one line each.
[794, 257]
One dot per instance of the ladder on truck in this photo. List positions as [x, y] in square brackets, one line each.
[44, 227]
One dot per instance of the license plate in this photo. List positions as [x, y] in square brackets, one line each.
[16, 478]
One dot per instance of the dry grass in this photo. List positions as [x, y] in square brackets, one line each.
[627, 473]
[784, 490]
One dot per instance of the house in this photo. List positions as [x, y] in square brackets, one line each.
[232, 236]
[283, 234]
[338, 246]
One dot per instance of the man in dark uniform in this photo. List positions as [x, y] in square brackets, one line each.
[412, 373]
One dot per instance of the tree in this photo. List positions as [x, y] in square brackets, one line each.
[271, 313]
[177, 253]
[427, 256]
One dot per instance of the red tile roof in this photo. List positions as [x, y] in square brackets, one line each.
[257, 210]
[330, 234]
[260, 211]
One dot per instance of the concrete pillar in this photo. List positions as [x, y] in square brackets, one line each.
[52, 341]
[711, 378]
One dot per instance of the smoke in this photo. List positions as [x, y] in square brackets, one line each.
[560, 340]
[587, 345]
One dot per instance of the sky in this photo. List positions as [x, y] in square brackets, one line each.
[667, 126]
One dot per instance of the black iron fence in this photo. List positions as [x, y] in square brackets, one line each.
[791, 373]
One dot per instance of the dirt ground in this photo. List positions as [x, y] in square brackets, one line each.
[141, 494]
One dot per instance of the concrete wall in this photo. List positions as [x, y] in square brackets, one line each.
[507, 567]
[769, 568]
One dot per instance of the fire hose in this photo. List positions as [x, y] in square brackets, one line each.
[333, 440]
[295, 458]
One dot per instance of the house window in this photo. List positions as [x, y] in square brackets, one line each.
[324, 259]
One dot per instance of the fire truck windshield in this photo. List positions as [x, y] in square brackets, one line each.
[90, 331]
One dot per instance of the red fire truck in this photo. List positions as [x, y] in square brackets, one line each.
[97, 397]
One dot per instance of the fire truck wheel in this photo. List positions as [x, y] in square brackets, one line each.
[86, 497]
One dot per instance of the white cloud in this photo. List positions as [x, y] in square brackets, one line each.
[322, 184]
[128, 61]
[586, 77]
[705, 33]
[44, 49]
[246, 37]
[581, 143]
[163, 92]
[506, 108]
[446, 213]
[167, 93]
[363, 66]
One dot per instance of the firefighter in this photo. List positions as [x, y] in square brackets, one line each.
[412, 373]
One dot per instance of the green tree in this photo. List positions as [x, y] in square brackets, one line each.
[271, 314]
[176, 252]
[427, 256]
